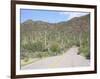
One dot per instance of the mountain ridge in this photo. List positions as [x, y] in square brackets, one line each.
[76, 25]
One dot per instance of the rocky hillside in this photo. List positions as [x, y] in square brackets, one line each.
[75, 25]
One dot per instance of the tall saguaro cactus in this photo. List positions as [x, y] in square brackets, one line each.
[45, 41]
[80, 29]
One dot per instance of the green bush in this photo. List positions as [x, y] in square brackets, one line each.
[55, 47]
[84, 49]
[39, 54]
[26, 59]
[33, 46]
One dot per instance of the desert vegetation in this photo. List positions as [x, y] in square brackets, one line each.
[41, 39]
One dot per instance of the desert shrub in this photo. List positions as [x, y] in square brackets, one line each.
[37, 46]
[39, 55]
[45, 54]
[26, 59]
[77, 43]
[84, 49]
[55, 47]
[70, 43]
[33, 46]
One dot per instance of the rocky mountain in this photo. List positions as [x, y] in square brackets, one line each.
[75, 25]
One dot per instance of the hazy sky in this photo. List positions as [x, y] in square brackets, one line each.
[48, 16]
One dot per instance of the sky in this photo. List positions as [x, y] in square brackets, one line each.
[48, 15]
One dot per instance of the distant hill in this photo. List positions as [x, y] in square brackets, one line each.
[75, 25]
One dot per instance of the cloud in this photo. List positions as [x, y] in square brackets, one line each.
[73, 14]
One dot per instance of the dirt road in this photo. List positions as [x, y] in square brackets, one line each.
[69, 59]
